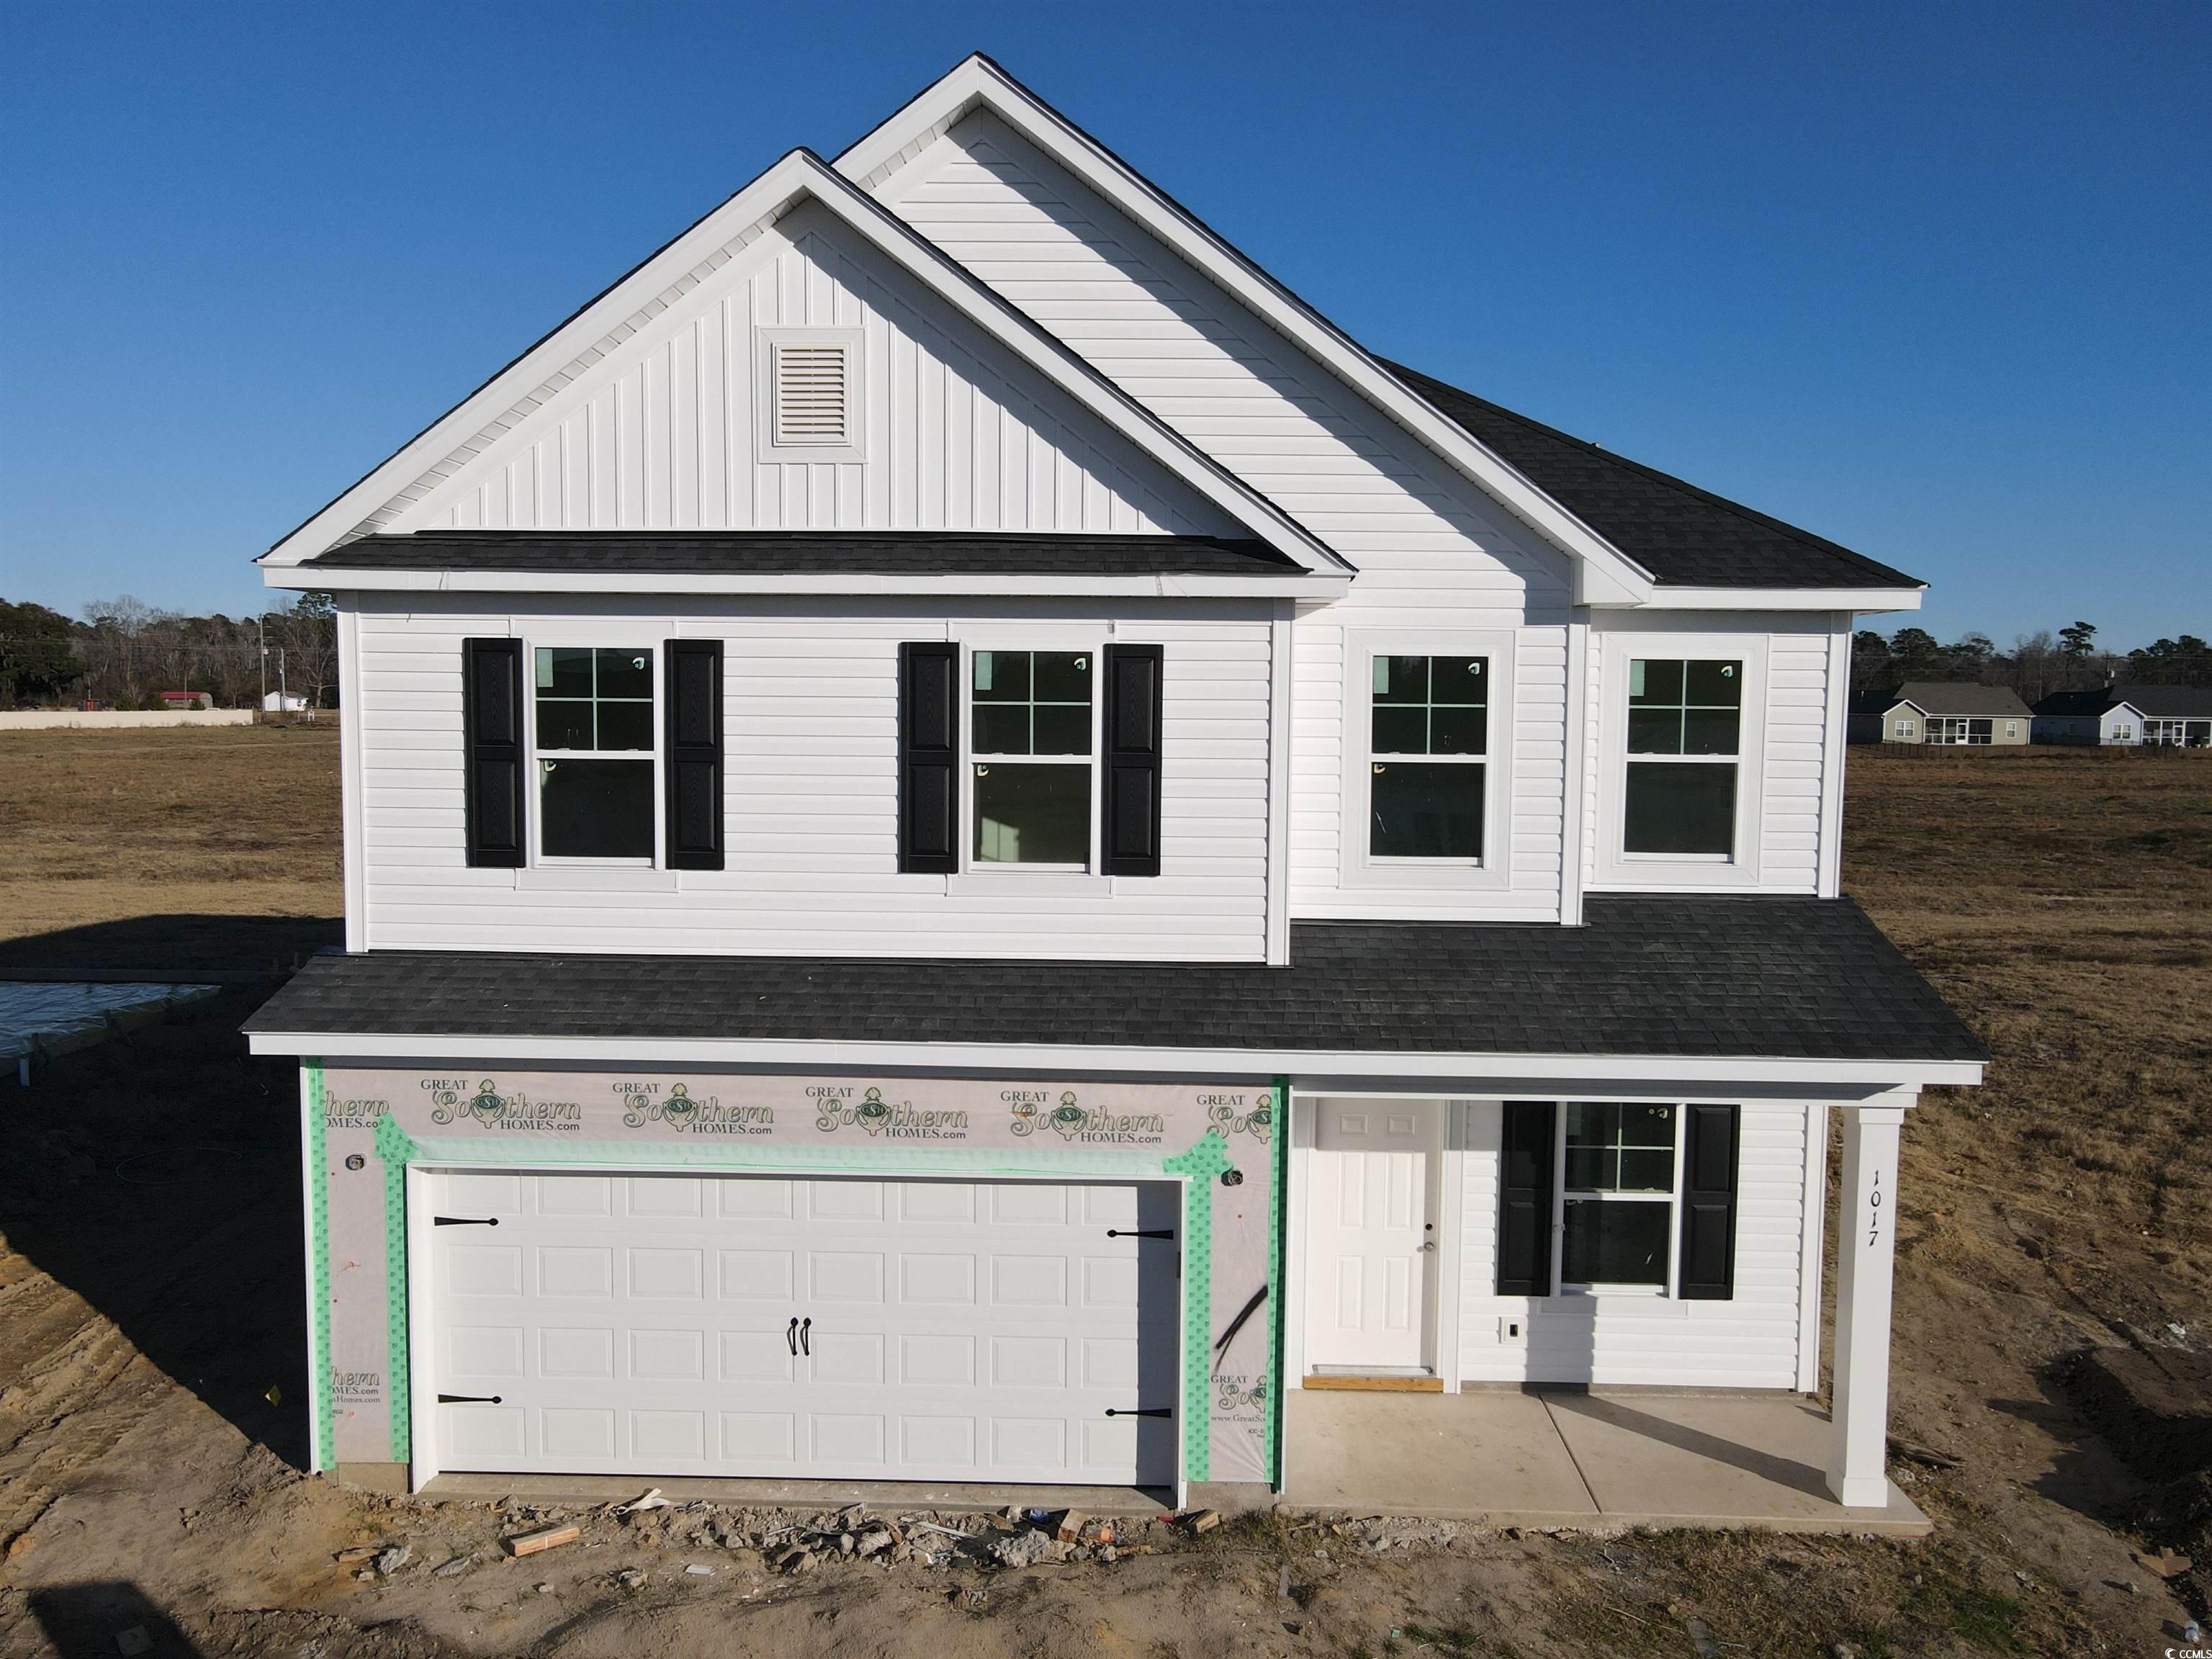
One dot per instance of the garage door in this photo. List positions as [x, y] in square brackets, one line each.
[819, 1328]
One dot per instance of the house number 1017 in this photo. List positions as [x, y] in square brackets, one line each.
[1874, 1211]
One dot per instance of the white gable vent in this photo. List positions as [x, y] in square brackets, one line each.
[813, 391]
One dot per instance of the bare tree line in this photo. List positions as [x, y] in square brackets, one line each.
[124, 653]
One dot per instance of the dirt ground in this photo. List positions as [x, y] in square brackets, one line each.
[151, 1372]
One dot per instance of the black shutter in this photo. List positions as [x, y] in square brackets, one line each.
[929, 757]
[1131, 840]
[1524, 1198]
[491, 738]
[694, 754]
[1709, 1162]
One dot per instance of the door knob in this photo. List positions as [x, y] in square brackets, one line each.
[1428, 1244]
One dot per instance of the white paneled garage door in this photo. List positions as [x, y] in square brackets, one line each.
[809, 1328]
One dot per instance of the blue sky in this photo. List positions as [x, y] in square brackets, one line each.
[1931, 280]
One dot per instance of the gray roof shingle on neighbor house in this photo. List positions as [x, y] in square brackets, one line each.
[778, 552]
[2157, 702]
[1685, 537]
[1956, 698]
[1778, 978]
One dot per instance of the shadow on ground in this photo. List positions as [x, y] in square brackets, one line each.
[100, 1621]
[157, 1176]
[172, 944]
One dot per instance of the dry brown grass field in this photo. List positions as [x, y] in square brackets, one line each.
[150, 1332]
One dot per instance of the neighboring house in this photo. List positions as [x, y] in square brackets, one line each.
[974, 844]
[1941, 712]
[2161, 716]
[187, 700]
[282, 702]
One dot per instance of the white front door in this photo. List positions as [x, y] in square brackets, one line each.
[804, 1326]
[1371, 1251]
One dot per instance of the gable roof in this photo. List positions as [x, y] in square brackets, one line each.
[1683, 535]
[1949, 697]
[1604, 574]
[2153, 701]
[615, 313]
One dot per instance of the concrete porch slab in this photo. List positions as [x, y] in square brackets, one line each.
[1509, 1458]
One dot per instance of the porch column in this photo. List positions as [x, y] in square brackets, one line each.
[1859, 1437]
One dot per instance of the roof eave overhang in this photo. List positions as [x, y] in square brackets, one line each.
[799, 176]
[1813, 1074]
[1860, 601]
[1604, 576]
[339, 579]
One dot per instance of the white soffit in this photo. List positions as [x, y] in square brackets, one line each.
[1604, 574]
[516, 391]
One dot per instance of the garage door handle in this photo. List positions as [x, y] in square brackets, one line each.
[1147, 1232]
[468, 1399]
[805, 1346]
[791, 1334]
[1149, 1411]
[464, 1221]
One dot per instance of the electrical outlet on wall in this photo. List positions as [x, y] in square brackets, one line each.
[1513, 1330]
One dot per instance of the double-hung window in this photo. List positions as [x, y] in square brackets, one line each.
[1685, 735]
[1907, 731]
[594, 725]
[1617, 1194]
[1429, 735]
[1033, 757]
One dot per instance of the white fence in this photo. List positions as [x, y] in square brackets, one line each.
[34, 720]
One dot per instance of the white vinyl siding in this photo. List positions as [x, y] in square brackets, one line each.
[809, 710]
[1749, 1341]
[670, 429]
[1434, 553]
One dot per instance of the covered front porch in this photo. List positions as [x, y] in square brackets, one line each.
[1509, 1456]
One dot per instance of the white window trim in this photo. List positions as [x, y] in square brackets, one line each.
[1618, 868]
[1673, 1200]
[1052, 877]
[1907, 731]
[853, 342]
[535, 808]
[1357, 868]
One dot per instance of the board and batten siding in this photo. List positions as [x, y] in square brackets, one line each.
[810, 720]
[659, 430]
[1750, 1341]
[1434, 553]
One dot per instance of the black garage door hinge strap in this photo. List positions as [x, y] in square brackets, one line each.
[464, 1221]
[1149, 1411]
[1146, 1232]
[469, 1399]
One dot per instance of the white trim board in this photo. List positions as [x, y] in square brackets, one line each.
[332, 579]
[1480, 1072]
[517, 390]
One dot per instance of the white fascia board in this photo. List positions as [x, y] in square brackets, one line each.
[801, 175]
[1056, 1057]
[1859, 601]
[314, 579]
[1604, 574]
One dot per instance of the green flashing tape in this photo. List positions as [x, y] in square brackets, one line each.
[1278, 1275]
[395, 1151]
[324, 1425]
[1206, 1159]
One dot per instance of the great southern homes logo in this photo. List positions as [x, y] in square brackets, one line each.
[453, 1101]
[1241, 1114]
[835, 1108]
[1078, 1124]
[689, 1113]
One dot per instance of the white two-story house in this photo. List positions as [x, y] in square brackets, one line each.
[974, 846]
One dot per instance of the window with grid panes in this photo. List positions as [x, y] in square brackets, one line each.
[1684, 719]
[594, 727]
[1029, 715]
[1616, 1193]
[1428, 736]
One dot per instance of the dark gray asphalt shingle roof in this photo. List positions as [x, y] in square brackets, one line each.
[1685, 537]
[881, 553]
[1950, 697]
[2157, 702]
[1780, 978]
